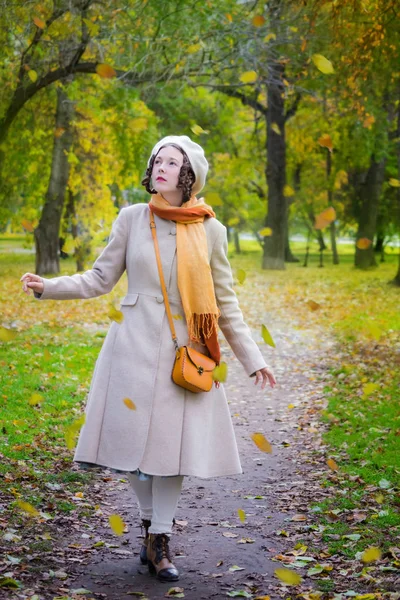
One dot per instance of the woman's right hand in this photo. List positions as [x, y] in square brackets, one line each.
[33, 282]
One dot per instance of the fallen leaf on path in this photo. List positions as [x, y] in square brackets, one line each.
[235, 568]
[332, 464]
[229, 534]
[262, 443]
[176, 592]
[371, 554]
[242, 515]
[287, 576]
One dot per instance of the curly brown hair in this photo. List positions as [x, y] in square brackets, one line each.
[186, 177]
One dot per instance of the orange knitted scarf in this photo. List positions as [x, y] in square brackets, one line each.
[195, 283]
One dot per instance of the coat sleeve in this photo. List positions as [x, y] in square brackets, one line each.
[231, 321]
[104, 274]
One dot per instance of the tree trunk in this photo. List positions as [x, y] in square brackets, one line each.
[369, 194]
[237, 241]
[274, 245]
[47, 232]
[332, 227]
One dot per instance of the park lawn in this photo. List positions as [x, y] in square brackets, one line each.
[57, 343]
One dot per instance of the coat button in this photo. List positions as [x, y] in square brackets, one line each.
[173, 230]
[160, 299]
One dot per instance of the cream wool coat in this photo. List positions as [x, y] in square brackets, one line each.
[172, 431]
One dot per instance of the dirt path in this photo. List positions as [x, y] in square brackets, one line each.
[210, 538]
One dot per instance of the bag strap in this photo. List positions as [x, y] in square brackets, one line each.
[162, 281]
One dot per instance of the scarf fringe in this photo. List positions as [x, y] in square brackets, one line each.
[201, 327]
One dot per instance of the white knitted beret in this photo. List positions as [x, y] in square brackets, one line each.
[195, 154]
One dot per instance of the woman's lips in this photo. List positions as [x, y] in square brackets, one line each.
[160, 179]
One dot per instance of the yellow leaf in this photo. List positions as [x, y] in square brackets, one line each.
[115, 315]
[46, 355]
[375, 331]
[32, 75]
[72, 431]
[258, 21]
[35, 399]
[371, 554]
[194, 48]
[129, 403]
[116, 524]
[332, 464]
[266, 336]
[369, 121]
[313, 305]
[287, 576]
[197, 130]
[242, 515]
[6, 335]
[363, 243]
[275, 127]
[39, 23]
[214, 199]
[78, 494]
[265, 232]
[288, 191]
[394, 182]
[28, 508]
[105, 71]
[270, 36]
[370, 388]
[261, 442]
[177, 317]
[59, 131]
[220, 372]
[323, 64]
[241, 276]
[233, 221]
[229, 17]
[326, 141]
[328, 214]
[290, 406]
[340, 179]
[303, 45]
[248, 77]
[27, 225]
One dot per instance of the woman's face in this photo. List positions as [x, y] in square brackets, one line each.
[166, 169]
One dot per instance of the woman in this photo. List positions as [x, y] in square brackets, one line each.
[172, 432]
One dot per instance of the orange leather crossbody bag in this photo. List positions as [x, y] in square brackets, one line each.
[192, 370]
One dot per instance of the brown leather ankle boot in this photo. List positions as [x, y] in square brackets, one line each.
[159, 559]
[145, 524]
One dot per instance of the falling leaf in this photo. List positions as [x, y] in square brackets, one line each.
[177, 317]
[375, 331]
[59, 131]
[214, 199]
[28, 508]
[265, 232]
[266, 336]
[320, 223]
[248, 77]
[105, 71]
[242, 515]
[370, 388]
[269, 37]
[233, 221]
[369, 121]
[287, 576]
[258, 21]
[275, 127]
[129, 403]
[326, 141]
[72, 431]
[323, 64]
[290, 406]
[116, 524]
[288, 191]
[261, 442]
[303, 45]
[193, 49]
[241, 276]
[371, 554]
[332, 464]
[394, 182]
[313, 305]
[325, 218]
[235, 568]
[27, 225]
[33, 76]
[197, 130]
[115, 315]
[363, 243]
[39, 23]
[220, 373]
[7, 335]
[35, 399]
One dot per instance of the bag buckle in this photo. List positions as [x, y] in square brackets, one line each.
[200, 370]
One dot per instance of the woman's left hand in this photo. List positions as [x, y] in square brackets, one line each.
[265, 375]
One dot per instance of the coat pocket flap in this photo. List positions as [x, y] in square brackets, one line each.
[129, 300]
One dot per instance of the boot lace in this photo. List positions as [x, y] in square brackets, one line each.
[162, 547]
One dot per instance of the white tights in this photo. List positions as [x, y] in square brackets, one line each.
[158, 499]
